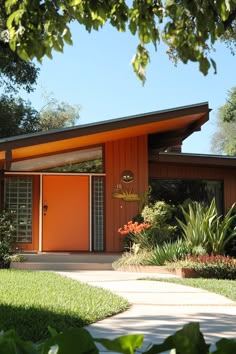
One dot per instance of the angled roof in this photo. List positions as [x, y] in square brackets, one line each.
[194, 159]
[173, 124]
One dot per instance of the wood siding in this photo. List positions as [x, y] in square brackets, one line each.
[127, 154]
[226, 174]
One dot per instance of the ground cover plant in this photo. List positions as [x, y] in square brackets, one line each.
[223, 287]
[208, 266]
[32, 301]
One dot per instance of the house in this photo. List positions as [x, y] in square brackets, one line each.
[72, 188]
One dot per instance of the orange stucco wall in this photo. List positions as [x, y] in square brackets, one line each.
[128, 154]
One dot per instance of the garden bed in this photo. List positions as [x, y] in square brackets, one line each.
[183, 272]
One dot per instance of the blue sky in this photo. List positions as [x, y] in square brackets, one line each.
[96, 74]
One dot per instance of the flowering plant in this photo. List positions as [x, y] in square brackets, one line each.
[135, 236]
[133, 228]
[209, 266]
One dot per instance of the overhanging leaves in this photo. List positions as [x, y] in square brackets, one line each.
[124, 344]
[188, 28]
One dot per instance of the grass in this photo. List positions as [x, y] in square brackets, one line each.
[32, 301]
[223, 287]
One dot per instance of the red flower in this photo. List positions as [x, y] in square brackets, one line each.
[134, 228]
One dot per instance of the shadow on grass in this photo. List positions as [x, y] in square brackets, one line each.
[32, 323]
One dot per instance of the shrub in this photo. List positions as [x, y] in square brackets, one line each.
[172, 252]
[203, 227]
[161, 216]
[169, 252]
[158, 213]
[7, 232]
[212, 266]
[131, 258]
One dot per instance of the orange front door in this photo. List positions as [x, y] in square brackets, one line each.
[65, 213]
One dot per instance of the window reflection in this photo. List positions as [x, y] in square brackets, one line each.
[81, 161]
[177, 191]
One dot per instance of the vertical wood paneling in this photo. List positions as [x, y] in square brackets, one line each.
[127, 154]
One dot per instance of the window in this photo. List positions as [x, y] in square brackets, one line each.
[176, 191]
[98, 213]
[18, 197]
[88, 160]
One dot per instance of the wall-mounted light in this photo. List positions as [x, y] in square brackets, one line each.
[127, 176]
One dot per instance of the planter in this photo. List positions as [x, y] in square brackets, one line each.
[127, 197]
[145, 269]
[182, 272]
[186, 273]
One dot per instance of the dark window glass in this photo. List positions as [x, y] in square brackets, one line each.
[176, 191]
[98, 213]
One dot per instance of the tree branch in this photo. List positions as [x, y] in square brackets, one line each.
[230, 19]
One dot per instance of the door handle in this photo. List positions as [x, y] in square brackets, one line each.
[45, 209]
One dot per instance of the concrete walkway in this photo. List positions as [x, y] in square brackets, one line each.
[158, 308]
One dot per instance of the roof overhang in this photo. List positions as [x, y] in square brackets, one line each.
[163, 127]
[193, 159]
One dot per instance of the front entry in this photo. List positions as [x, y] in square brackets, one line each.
[65, 213]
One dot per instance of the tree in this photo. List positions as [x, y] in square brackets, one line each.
[16, 117]
[15, 73]
[58, 115]
[188, 28]
[224, 140]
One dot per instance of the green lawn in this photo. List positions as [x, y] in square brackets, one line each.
[223, 287]
[32, 301]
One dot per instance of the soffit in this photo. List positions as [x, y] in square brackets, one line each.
[38, 145]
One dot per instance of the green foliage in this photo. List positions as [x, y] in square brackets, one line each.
[7, 233]
[124, 344]
[142, 257]
[197, 223]
[163, 226]
[222, 232]
[224, 141]
[16, 117]
[32, 301]
[188, 340]
[203, 227]
[36, 28]
[206, 266]
[229, 109]
[56, 114]
[17, 258]
[15, 73]
[172, 252]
